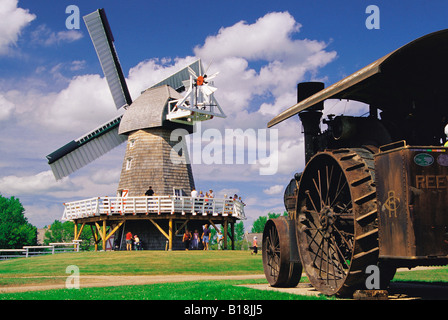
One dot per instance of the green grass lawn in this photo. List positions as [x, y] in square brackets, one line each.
[436, 275]
[198, 290]
[51, 269]
[136, 263]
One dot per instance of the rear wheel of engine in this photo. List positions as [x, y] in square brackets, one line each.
[278, 269]
[336, 227]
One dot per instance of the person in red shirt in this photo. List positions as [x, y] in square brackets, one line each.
[129, 241]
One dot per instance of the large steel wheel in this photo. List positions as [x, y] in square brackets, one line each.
[336, 227]
[279, 270]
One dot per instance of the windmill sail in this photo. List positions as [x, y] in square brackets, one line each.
[175, 81]
[80, 152]
[103, 41]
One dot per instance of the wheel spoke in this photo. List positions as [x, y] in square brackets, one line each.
[312, 202]
[338, 193]
[326, 225]
[273, 260]
[318, 191]
[329, 175]
[345, 236]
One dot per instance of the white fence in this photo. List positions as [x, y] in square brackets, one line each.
[30, 251]
[153, 205]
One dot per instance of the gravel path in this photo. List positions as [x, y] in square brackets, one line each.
[107, 281]
[397, 291]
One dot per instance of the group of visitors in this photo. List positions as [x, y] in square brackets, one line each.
[210, 194]
[132, 240]
[195, 194]
[192, 240]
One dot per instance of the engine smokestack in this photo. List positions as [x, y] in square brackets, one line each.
[310, 117]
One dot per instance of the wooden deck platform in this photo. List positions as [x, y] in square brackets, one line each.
[167, 214]
[95, 207]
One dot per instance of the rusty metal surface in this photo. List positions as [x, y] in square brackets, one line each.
[279, 270]
[336, 224]
[290, 197]
[412, 193]
[352, 211]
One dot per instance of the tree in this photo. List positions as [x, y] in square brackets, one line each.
[15, 230]
[259, 224]
[239, 234]
[65, 232]
[59, 232]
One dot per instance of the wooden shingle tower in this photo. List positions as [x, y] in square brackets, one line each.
[150, 159]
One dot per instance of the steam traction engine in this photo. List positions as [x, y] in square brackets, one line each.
[374, 190]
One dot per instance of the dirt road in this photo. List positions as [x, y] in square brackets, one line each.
[107, 281]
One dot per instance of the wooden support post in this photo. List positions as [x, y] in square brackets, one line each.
[214, 226]
[160, 229]
[95, 236]
[225, 233]
[232, 228]
[183, 225]
[170, 233]
[98, 230]
[104, 235]
[113, 230]
[76, 230]
[77, 235]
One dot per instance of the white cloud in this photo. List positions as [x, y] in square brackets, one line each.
[269, 42]
[46, 37]
[345, 107]
[263, 60]
[86, 102]
[64, 36]
[226, 192]
[106, 176]
[6, 108]
[38, 184]
[150, 72]
[77, 65]
[265, 39]
[276, 189]
[41, 215]
[82, 106]
[12, 22]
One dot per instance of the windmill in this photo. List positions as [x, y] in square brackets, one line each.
[146, 123]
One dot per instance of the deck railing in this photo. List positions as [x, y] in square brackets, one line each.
[153, 205]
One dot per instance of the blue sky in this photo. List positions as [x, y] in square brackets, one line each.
[52, 89]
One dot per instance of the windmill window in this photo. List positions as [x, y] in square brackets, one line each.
[132, 143]
[128, 163]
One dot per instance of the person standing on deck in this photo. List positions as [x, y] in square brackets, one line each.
[149, 192]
